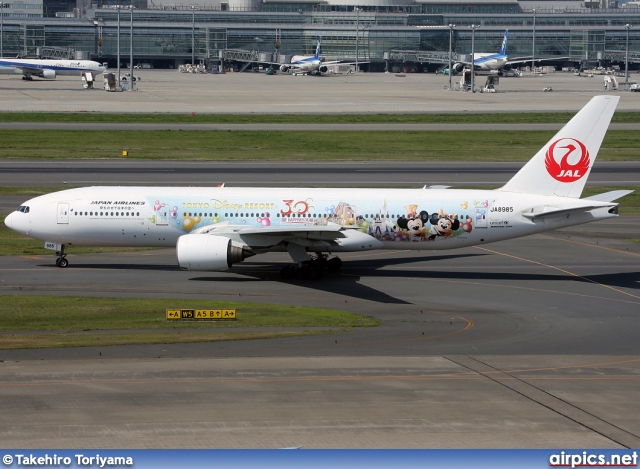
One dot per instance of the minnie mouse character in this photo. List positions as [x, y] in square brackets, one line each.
[443, 225]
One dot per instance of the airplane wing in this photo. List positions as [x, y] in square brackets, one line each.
[26, 70]
[327, 232]
[522, 60]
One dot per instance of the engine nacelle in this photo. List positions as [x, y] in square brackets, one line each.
[209, 252]
[323, 69]
[284, 68]
[49, 74]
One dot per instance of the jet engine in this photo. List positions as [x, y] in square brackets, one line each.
[50, 74]
[209, 252]
[284, 68]
[457, 67]
[323, 69]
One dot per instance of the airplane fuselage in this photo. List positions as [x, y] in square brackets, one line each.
[49, 68]
[305, 63]
[419, 219]
[490, 61]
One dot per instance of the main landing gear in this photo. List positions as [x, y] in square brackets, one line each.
[313, 269]
[61, 261]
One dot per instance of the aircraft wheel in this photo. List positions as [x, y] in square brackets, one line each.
[62, 262]
[314, 272]
[288, 272]
[335, 263]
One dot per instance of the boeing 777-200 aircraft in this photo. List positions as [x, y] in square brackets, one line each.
[49, 68]
[216, 227]
[311, 64]
[496, 61]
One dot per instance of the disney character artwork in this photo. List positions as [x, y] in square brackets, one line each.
[443, 225]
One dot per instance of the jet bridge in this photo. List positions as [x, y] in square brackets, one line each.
[620, 55]
[393, 58]
[247, 57]
[57, 53]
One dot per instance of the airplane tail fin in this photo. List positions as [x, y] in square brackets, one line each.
[503, 49]
[317, 56]
[562, 166]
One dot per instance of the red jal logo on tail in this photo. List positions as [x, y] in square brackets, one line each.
[562, 150]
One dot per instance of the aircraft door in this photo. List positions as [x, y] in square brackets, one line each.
[481, 217]
[63, 214]
[162, 216]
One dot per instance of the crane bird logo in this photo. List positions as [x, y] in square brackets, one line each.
[567, 160]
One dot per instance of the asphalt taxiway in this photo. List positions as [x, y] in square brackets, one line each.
[526, 343]
[165, 91]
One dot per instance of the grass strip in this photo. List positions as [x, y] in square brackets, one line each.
[453, 145]
[74, 313]
[43, 321]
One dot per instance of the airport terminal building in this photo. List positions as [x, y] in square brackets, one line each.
[378, 35]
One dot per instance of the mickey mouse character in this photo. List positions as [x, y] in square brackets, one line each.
[443, 225]
[414, 226]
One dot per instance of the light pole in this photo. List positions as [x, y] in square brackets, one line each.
[118, 8]
[533, 46]
[131, 49]
[1, 29]
[357, 34]
[193, 34]
[473, 55]
[451, 28]
[626, 55]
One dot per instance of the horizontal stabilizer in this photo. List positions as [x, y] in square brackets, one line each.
[554, 212]
[609, 196]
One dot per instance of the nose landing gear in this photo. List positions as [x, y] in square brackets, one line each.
[61, 261]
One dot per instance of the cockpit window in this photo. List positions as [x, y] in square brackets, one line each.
[23, 209]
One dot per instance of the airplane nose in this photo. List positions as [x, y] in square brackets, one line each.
[8, 220]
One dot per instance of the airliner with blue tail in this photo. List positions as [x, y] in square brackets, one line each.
[311, 64]
[491, 61]
[484, 61]
[49, 68]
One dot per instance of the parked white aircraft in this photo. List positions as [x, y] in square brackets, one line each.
[311, 64]
[214, 228]
[492, 61]
[49, 68]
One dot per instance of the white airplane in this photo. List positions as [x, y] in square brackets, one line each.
[49, 68]
[311, 64]
[216, 227]
[485, 61]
